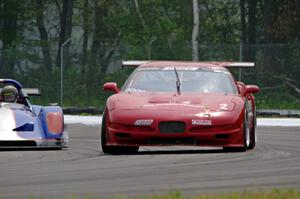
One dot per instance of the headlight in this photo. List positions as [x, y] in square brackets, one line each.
[54, 122]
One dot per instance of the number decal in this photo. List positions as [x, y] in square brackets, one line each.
[224, 106]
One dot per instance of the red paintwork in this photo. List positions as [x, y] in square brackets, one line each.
[123, 109]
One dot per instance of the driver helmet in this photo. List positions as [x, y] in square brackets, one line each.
[9, 93]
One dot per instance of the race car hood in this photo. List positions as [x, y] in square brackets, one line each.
[15, 117]
[174, 102]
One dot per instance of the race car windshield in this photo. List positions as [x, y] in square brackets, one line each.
[163, 80]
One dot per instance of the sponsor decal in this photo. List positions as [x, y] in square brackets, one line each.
[223, 107]
[143, 122]
[202, 122]
[134, 90]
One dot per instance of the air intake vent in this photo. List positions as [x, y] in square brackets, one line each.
[16, 143]
[172, 127]
[172, 141]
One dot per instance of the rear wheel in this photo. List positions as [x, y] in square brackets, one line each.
[114, 149]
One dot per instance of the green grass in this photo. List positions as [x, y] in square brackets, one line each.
[280, 100]
[273, 194]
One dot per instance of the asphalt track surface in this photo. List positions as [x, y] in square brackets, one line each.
[83, 169]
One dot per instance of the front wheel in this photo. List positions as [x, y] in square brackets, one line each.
[246, 137]
[114, 150]
[253, 135]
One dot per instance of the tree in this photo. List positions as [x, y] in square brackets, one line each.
[195, 53]
[106, 35]
[85, 16]
[298, 17]
[251, 49]
[137, 8]
[268, 37]
[66, 15]
[44, 38]
[248, 29]
[10, 11]
[243, 28]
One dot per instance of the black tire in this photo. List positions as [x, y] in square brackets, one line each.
[253, 139]
[114, 150]
[129, 149]
[253, 134]
[244, 147]
[105, 148]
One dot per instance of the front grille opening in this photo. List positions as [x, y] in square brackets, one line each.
[171, 127]
[122, 135]
[172, 141]
[202, 129]
[222, 136]
[220, 129]
[131, 128]
[17, 143]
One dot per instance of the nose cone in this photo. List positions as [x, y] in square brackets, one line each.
[12, 118]
[7, 124]
[7, 119]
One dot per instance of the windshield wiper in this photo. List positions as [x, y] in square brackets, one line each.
[178, 83]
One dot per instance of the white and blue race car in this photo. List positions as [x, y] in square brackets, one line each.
[25, 125]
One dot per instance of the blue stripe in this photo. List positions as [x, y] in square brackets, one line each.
[13, 82]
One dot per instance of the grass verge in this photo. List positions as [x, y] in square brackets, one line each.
[273, 194]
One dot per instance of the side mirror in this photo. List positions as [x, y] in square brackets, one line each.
[241, 87]
[111, 86]
[251, 89]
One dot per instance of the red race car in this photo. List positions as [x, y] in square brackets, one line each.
[166, 103]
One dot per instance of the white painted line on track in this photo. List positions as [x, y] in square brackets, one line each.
[96, 120]
[278, 121]
[86, 120]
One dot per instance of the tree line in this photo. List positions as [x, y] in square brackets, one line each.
[103, 32]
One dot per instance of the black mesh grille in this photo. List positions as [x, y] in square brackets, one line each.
[172, 127]
[172, 141]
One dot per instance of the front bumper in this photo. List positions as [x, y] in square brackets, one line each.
[57, 143]
[33, 142]
[199, 128]
[225, 135]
